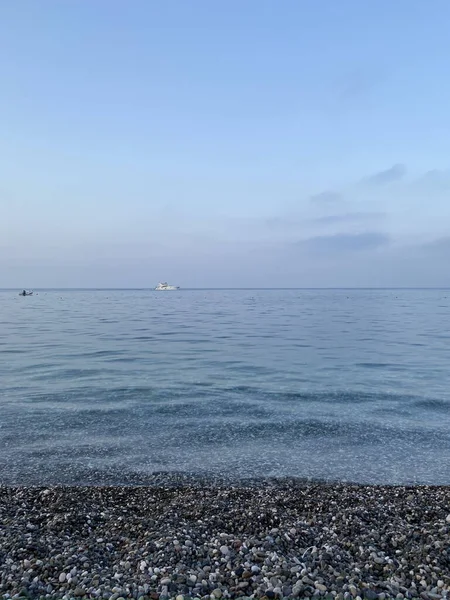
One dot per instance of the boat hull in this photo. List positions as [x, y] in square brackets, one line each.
[165, 287]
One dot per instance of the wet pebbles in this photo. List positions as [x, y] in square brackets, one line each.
[278, 539]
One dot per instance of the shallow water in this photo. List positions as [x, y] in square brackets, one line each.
[111, 386]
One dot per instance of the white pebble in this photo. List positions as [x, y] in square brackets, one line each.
[224, 549]
[62, 577]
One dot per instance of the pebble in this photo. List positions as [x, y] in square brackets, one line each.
[278, 539]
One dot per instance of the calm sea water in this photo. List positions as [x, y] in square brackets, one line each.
[114, 386]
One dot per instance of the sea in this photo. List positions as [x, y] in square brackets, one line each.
[128, 386]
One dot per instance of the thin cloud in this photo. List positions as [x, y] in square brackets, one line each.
[435, 180]
[441, 246]
[395, 173]
[277, 223]
[327, 197]
[354, 84]
[345, 243]
[352, 89]
[357, 83]
[354, 217]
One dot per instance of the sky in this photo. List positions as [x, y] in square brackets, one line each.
[223, 143]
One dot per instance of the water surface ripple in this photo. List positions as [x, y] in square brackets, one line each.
[113, 386]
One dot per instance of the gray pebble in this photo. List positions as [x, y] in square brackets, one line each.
[291, 540]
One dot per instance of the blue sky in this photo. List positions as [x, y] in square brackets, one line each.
[211, 143]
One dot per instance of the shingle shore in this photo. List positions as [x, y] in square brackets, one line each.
[278, 539]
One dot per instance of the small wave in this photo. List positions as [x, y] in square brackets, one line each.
[433, 404]
[67, 374]
[374, 365]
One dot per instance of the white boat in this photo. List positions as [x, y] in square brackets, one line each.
[25, 293]
[165, 287]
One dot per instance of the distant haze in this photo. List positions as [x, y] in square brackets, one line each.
[224, 144]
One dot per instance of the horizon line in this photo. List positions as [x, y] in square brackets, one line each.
[152, 289]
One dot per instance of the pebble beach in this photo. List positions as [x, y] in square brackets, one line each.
[272, 539]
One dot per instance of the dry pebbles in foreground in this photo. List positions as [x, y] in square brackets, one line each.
[280, 539]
